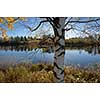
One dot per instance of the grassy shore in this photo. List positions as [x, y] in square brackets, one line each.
[82, 75]
[42, 73]
[34, 73]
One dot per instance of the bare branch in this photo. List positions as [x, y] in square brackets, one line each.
[67, 29]
[67, 22]
[31, 29]
[84, 21]
[50, 21]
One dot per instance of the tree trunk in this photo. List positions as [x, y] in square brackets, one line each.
[59, 50]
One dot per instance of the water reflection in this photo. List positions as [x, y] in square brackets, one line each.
[30, 54]
[89, 49]
[16, 48]
[25, 48]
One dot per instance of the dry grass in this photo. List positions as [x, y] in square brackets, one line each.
[22, 74]
[79, 75]
[42, 73]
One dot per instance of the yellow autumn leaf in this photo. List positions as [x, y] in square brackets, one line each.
[4, 35]
[9, 19]
[10, 25]
[6, 38]
[1, 20]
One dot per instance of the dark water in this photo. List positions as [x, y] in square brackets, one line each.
[74, 56]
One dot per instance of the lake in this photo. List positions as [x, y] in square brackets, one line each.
[73, 56]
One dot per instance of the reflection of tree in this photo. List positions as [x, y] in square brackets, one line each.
[23, 48]
[95, 50]
[80, 51]
[98, 49]
[48, 49]
[90, 49]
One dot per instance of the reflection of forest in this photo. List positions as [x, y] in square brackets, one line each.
[16, 48]
[26, 48]
[90, 49]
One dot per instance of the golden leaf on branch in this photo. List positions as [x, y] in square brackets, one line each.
[9, 23]
[1, 20]
[4, 35]
[9, 19]
[10, 26]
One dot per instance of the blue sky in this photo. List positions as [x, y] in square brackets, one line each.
[20, 30]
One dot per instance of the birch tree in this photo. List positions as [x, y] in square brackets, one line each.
[60, 26]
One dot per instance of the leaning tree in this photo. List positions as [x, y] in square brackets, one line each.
[60, 26]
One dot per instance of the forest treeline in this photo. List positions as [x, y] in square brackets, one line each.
[86, 41]
[82, 41]
[16, 40]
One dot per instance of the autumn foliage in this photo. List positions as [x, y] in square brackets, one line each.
[9, 23]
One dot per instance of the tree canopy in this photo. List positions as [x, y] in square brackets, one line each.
[87, 25]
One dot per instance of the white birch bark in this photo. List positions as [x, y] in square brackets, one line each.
[59, 51]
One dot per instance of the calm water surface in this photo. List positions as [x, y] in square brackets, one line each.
[73, 56]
